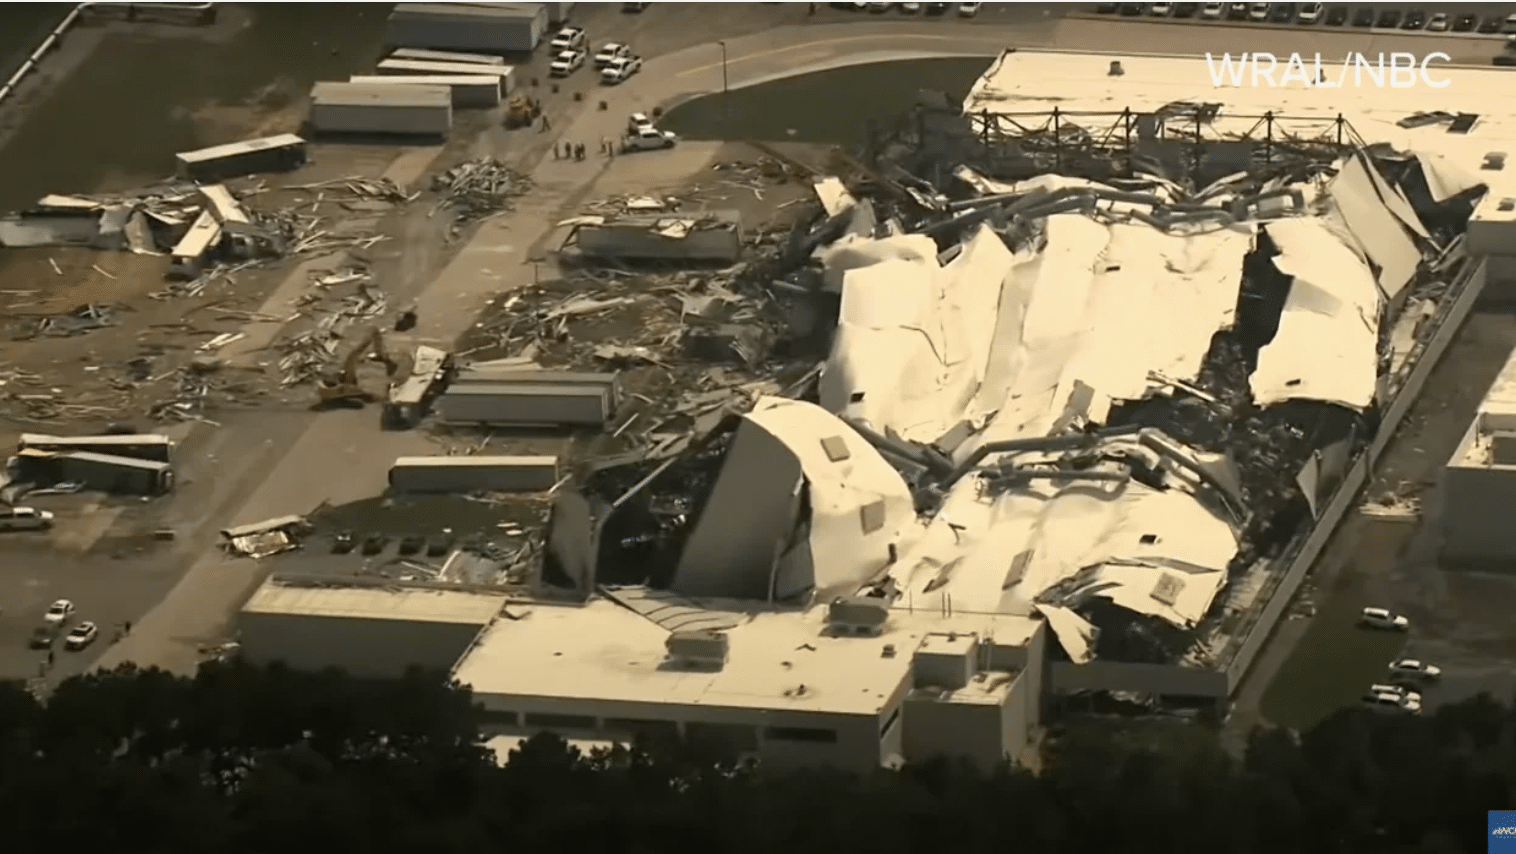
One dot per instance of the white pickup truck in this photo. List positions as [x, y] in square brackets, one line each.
[648, 138]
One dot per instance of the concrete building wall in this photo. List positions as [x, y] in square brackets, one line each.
[1499, 275]
[362, 646]
[937, 726]
[1165, 679]
[1476, 527]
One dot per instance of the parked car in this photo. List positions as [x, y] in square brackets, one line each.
[45, 635]
[410, 545]
[439, 546]
[1416, 669]
[82, 636]
[1438, 23]
[910, 8]
[637, 121]
[1364, 17]
[1465, 23]
[1107, 8]
[59, 612]
[1414, 20]
[343, 542]
[941, 8]
[619, 70]
[1393, 704]
[1337, 16]
[1161, 10]
[25, 519]
[969, 10]
[1258, 12]
[610, 52]
[1282, 13]
[1213, 11]
[374, 544]
[1186, 10]
[1380, 618]
[1509, 24]
[570, 38]
[566, 63]
[1389, 19]
[1237, 12]
[649, 139]
[1310, 13]
[634, 7]
[1398, 690]
[880, 7]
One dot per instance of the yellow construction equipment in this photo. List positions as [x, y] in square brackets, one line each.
[343, 389]
[521, 111]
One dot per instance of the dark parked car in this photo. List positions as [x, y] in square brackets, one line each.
[1465, 23]
[45, 635]
[1102, 8]
[411, 545]
[375, 543]
[941, 8]
[1491, 24]
[1133, 9]
[439, 546]
[1237, 12]
[1389, 19]
[1186, 10]
[1363, 17]
[1337, 16]
[342, 542]
[1282, 13]
[1414, 20]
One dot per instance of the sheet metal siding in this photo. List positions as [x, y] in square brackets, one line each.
[1347, 493]
[506, 407]
[485, 33]
[497, 477]
[468, 92]
[716, 244]
[361, 646]
[374, 118]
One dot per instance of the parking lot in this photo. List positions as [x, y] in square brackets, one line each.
[1459, 620]
[1470, 19]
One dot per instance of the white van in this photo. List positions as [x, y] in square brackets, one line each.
[24, 519]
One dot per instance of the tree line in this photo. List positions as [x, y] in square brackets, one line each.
[266, 760]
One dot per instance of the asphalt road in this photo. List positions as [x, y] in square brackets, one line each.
[341, 456]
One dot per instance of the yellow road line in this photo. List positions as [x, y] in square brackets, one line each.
[829, 43]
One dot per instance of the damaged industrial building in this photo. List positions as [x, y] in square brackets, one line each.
[1084, 383]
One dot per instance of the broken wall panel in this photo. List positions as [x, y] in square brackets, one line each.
[1326, 347]
[1377, 229]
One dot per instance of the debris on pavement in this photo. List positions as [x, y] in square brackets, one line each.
[478, 189]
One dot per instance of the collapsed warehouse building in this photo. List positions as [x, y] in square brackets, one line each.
[1101, 385]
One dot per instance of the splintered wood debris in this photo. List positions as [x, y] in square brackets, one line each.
[478, 189]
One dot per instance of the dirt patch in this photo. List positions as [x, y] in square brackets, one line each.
[278, 107]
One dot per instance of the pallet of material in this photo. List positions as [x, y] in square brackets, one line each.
[474, 474]
[425, 55]
[269, 154]
[526, 404]
[492, 27]
[419, 67]
[379, 109]
[476, 92]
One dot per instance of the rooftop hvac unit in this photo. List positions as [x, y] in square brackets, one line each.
[1503, 448]
[858, 615]
[700, 649]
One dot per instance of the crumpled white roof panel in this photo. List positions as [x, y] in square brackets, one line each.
[853, 252]
[1327, 345]
[843, 551]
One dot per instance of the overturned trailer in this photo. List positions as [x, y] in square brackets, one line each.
[103, 472]
[279, 153]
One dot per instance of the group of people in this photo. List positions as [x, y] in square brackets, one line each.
[568, 151]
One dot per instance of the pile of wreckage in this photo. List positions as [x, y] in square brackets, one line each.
[121, 463]
[1092, 403]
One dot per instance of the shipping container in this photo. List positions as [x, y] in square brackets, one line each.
[270, 154]
[474, 92]
[490, 28]
[423, 67]
[474, 474]
[142, 446]
[110, 473]
[370, 109]
[194, 251]
[447, 56]
[526, 404]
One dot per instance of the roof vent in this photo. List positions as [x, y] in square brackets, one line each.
[700, 649]
[1116, 69]
[1494, 161]
[858, 615]
[1503, 448]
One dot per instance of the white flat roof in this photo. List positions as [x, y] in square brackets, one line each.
[375, 603]
[605, 652]
[1037, 81]
[1496, 412]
